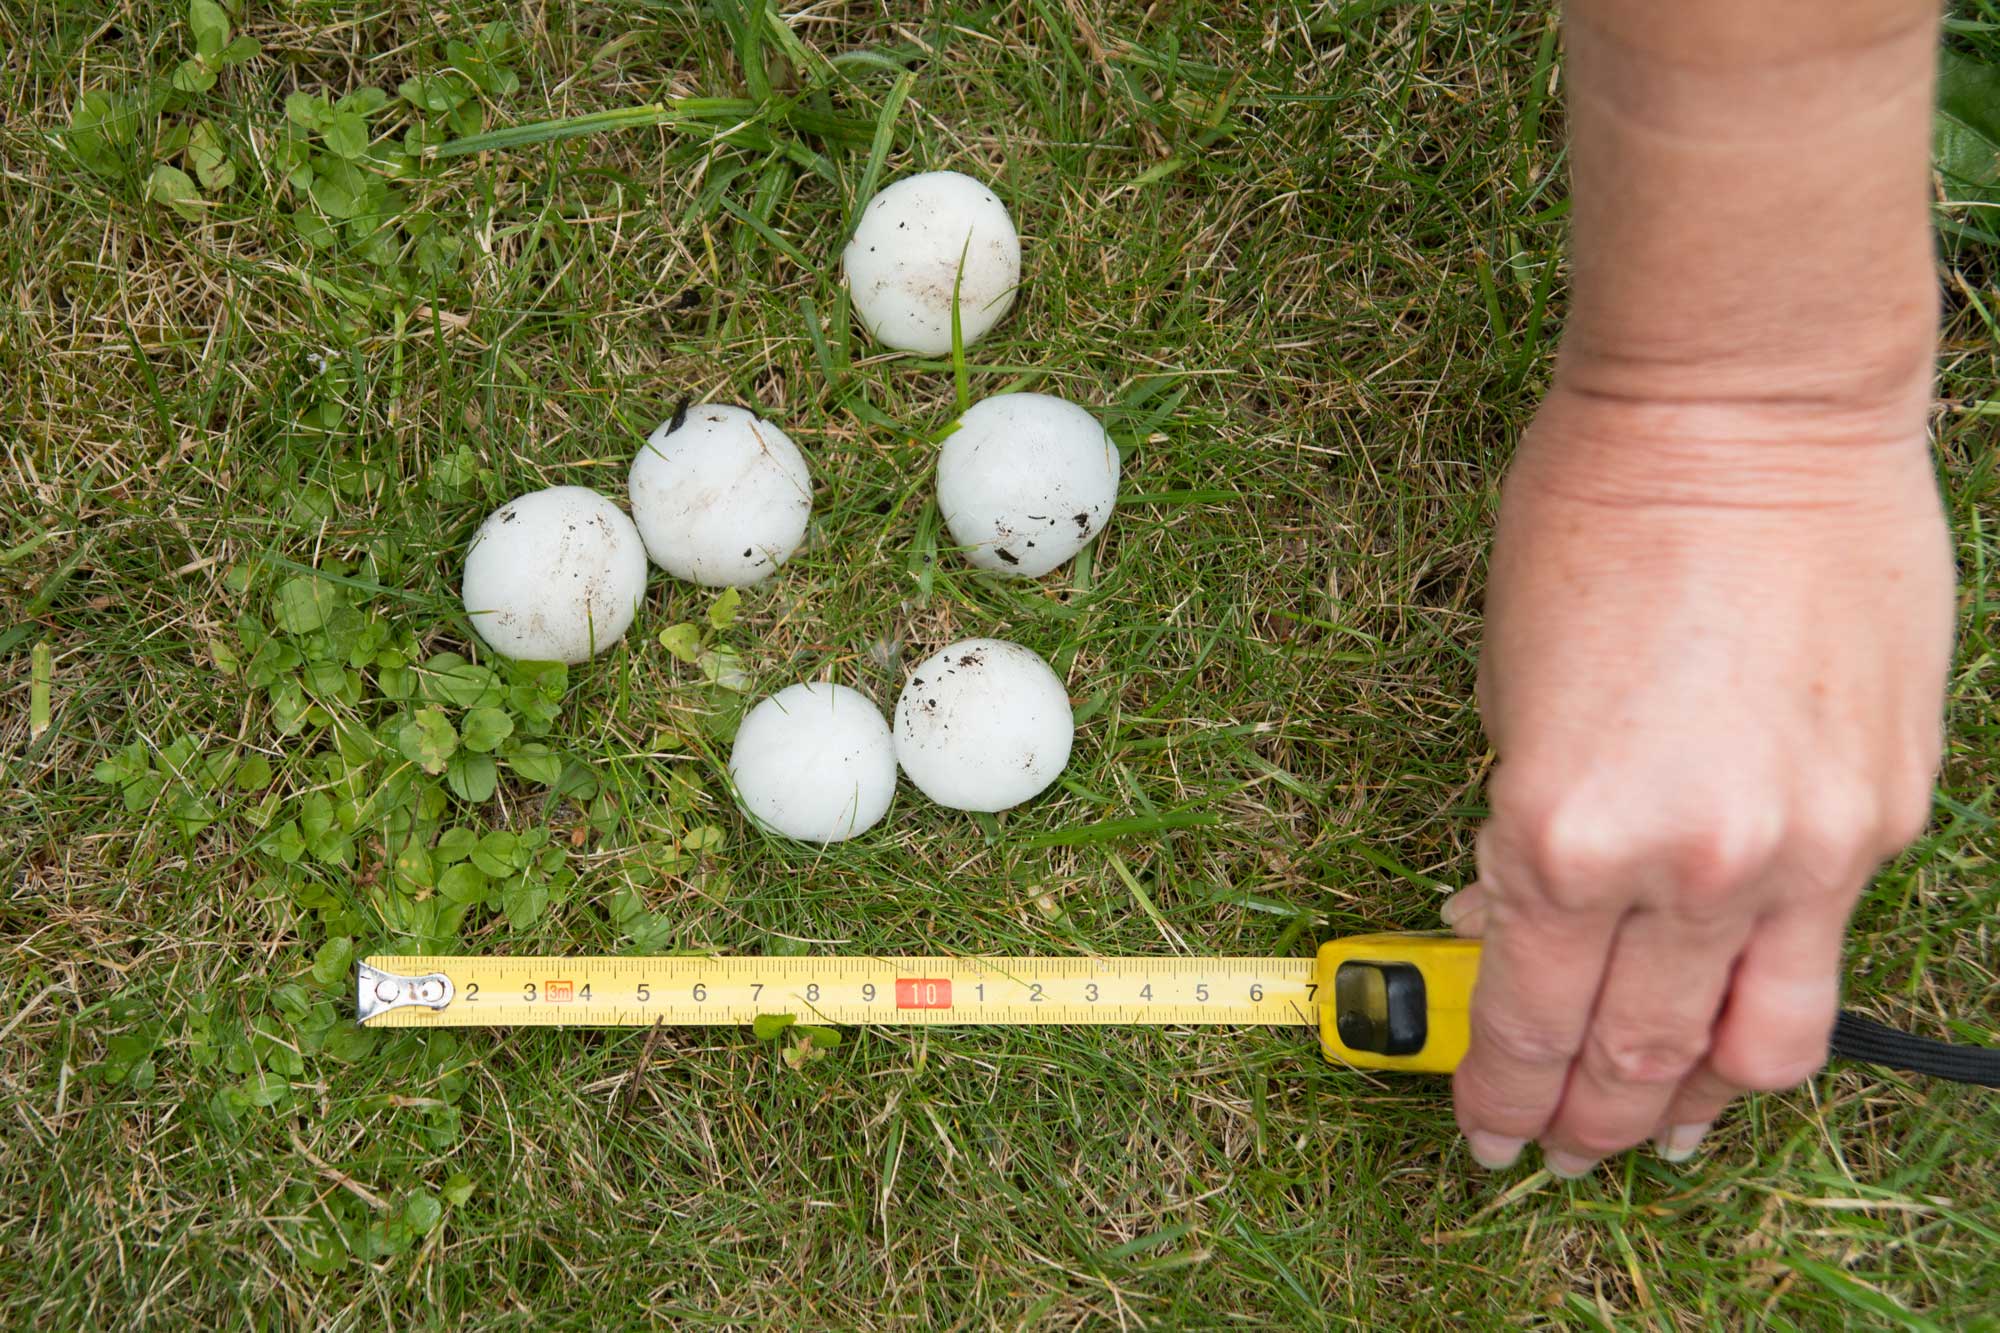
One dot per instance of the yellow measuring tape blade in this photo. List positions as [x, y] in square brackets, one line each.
[478, 991]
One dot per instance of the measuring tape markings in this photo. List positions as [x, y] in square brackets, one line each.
[1385, 1001]
[486, 991]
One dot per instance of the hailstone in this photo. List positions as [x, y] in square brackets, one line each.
[983, 725]
[721, 496]
[815, 762]
[1025, 480]
[906, 258]
[554, 575]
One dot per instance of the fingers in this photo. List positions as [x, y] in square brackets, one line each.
[1527, 1024]
[1786, 995]
[1774, 1028]
[1464, 913]
[1656, 1010]
[1700, 1099]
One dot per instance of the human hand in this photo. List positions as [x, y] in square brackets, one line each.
[1716, 640]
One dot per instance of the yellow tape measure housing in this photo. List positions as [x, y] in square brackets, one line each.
[1404, 995]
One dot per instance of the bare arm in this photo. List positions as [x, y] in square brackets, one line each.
[1720, 609]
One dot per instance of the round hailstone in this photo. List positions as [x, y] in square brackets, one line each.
[815, 762]
[1025, 480]
[904, 260]
[983, 725]
[721, 496]
[554, 575]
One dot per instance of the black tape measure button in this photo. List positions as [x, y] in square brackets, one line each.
[1379, 1007]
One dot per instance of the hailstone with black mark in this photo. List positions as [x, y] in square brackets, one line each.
[983, 725]
[721, 496]
[1025, 480]
[814, 762]
[920, 239]
[554, 575]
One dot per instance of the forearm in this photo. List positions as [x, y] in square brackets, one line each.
[1750, 203]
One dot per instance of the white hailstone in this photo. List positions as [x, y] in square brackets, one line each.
[1025, 480]
[721, 496]
[815, 762]
[905, 258]
[983, 725]
[554, 575]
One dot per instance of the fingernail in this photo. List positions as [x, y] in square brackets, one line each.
[1495, 1152]
[1567, 1166]
[1452, 908]
[1681, 1142]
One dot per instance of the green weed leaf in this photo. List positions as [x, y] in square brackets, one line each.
[191, 76]
[484, 729]
[524, 902]
[723, 666]
[176, 189]
[210, 158]
[307, 110]
[238, 52]
[500, 854]
[473, 777]
[536, 762]
[722, 611]
[414, 865]
[422, 1212]
[210, 26]
[304, 603]
[683, 641]
[456, 845]
[254, 773]
[428, 739]
[450, 679]
[363, 101]
[265, 1089]
[346, 134]
[768, 1027]
[1965, 143]
[436, 93]
[101, 126]
[332, 963]
[462, 883]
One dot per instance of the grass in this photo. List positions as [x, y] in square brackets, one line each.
[1306, 264]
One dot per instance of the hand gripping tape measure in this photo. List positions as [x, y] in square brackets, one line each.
[1387, 1002]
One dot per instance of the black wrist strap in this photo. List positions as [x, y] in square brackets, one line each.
[1869, 1042]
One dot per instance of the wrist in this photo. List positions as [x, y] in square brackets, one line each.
[1751, 216]
[1793, 452]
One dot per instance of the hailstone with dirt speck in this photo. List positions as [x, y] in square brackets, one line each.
[721, 496]
[1025, 480]
[815, 762]
[906, 258]
[554, 575]
[983, 725]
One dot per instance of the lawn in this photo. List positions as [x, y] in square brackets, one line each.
[268, 360]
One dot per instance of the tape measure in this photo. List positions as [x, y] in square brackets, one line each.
[1393, 1002]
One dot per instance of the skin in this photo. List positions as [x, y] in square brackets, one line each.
[1720, 609]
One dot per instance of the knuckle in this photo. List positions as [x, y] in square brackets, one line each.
[1839, 827]
[1576, 854]
[1713, 861]
[1905, 816]
[1645, 1059]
